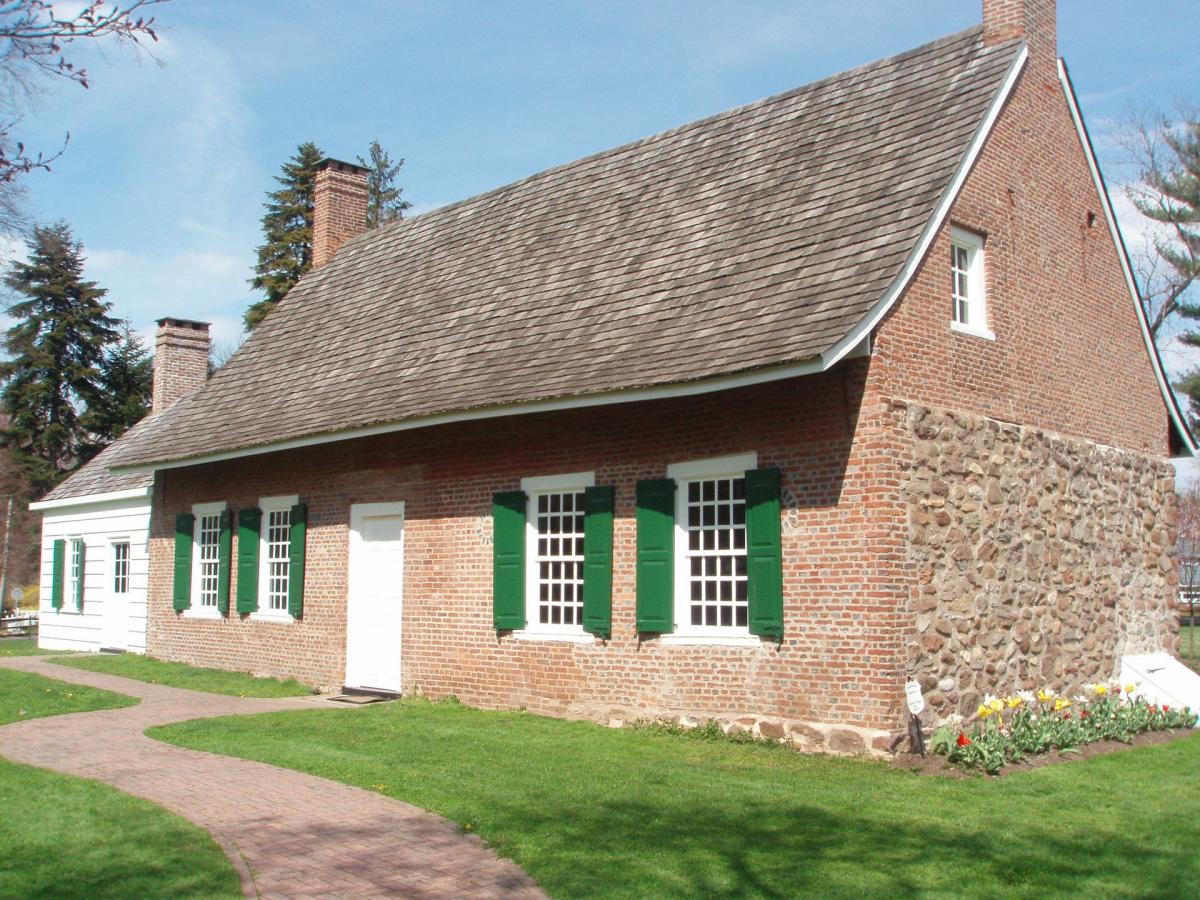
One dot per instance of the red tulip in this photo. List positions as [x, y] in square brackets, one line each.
[963, 740]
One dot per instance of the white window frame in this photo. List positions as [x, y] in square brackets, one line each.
[977, 305]
[268, 505]
[685, 633]
[533, 488]
[69, 581]
[195, 610]
[115, 540]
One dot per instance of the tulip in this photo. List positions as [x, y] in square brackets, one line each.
[963, 740]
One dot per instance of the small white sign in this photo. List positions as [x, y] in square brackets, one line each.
[916, 703]
[17, 593]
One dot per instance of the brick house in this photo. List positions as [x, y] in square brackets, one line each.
[754, 419]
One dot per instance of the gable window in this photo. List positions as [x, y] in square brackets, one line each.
[968, 293]
[206, 555]
[275, 557]
[120, 552]
[711, 589]
[554, 557]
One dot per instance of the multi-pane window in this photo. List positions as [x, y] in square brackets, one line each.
[960, 283]
[967, 289]
[121, 567]
[715, 553]
[75, 571]
[558, 521]
[277, 534]
[208, 549]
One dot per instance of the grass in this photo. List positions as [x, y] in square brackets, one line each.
[27, 696]
[172, 674]
[23, 647]
[66, 837]
[597, 812]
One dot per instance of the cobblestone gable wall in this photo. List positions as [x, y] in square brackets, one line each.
[1038, 559]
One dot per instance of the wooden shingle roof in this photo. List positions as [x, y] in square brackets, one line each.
[752, 239]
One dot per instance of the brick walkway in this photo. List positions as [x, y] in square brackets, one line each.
[299, 836]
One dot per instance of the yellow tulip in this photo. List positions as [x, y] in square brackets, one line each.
[1129, 688]
[984, 711]
[1061, 703]
[1045, 695]
[1100, 689]
[1013, 702]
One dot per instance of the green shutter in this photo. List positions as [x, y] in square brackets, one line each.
[249, 522]
[656, 556]
[296, 537]
[764, 552]
[508, 560]
[224, 552]
[58, 558]
[79, 581]
[598, 561]
[184, 527]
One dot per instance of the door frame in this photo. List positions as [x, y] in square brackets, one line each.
[359, 512]
[111, 598]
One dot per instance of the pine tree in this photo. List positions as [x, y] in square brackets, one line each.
[286, 252]
[1168, 192]
[55, 347]
[127, 383]
[384, 203]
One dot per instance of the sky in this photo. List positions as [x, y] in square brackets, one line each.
[171, 155]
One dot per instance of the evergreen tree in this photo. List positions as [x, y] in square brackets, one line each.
[55, 347]
[384, 203]
[1168, 193]
[286, 251]
[127, 384]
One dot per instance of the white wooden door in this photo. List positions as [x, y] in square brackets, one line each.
[114, 618]
[373, 608]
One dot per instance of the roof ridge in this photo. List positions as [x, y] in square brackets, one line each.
[675, 130]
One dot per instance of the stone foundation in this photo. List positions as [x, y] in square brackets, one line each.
[1038, 559]
[806, 736]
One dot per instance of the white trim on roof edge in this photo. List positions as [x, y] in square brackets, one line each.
[90, 499]
[1173, 410]
[856, 343]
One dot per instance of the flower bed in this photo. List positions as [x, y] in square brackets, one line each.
[1012, 729]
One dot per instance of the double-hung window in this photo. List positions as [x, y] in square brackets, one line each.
[120, 573]
[968, 292]
[554, 558]
[75, 573]
[206, 559]
[711, 586]
[275, 557]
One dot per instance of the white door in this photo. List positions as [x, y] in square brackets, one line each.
[114, 618]
[376, 590]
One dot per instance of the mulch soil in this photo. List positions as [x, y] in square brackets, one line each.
[937, 765]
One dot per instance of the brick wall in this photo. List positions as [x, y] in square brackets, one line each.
[843, 531]
[1068, 354]
[180, 360]
[339, 207]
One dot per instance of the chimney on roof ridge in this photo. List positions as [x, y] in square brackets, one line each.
[1033, 21]
[339, 207]
[180, 361]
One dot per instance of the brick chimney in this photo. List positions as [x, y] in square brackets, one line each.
[180, 361]
[339, 207]
[1033, 21]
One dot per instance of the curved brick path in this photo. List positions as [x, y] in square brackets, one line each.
[300, 836]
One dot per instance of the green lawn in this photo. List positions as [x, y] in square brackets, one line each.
[23, 647]
[213, 681]
[591, 811]
[65, 837]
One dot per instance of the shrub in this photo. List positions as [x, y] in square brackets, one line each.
[1011, 729]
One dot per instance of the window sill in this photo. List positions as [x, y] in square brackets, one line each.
[202, 613]
[717, 640]
[567, 637]
[277, 618]
[983, 333]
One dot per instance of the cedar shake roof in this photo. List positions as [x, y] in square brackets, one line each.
[752, 239]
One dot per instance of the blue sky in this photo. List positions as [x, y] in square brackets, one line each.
[167, 167]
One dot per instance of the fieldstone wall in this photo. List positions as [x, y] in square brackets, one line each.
[1039, 559]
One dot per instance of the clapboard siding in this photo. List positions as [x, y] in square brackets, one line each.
[98, 524]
